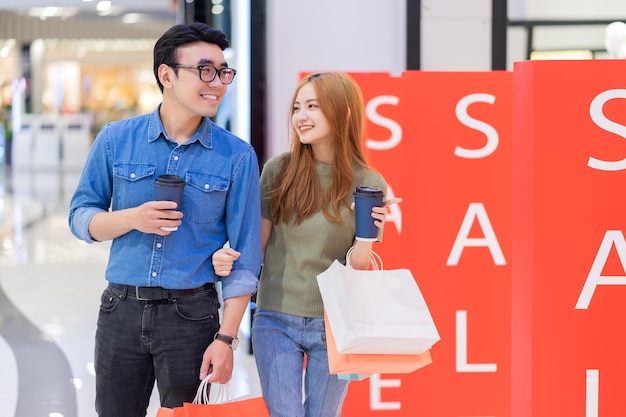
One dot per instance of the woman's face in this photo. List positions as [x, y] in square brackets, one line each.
[308, 120]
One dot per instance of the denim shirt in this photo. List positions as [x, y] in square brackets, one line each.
[221, 203]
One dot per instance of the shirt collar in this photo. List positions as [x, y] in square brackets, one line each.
[204, 133]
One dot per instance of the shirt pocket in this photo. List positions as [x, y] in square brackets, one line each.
[205, 198]
[134, 184]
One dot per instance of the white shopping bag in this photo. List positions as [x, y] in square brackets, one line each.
[378, 312]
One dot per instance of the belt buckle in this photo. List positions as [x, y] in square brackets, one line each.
[139, 298]
[152, 293]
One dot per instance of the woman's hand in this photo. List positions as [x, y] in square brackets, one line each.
[380, 213]
[362, 250]
[223, 260]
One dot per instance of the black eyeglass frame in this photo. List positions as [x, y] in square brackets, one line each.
[217, 71]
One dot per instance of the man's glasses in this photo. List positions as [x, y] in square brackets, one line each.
[207, 73]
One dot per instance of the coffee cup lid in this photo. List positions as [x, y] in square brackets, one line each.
[170, 179]
[369, 191]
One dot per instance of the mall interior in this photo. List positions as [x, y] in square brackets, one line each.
[67, 70]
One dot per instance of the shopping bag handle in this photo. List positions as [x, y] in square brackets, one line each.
[376, 261]
[224, 393]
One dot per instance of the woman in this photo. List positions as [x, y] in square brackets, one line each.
[308, 222]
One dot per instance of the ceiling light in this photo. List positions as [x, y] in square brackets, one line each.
[131, 18]
[103, 6]
[44, 13]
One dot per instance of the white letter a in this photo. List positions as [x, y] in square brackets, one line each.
[595, 278]
[476, 211]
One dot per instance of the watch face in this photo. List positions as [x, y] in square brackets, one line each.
[235, 343]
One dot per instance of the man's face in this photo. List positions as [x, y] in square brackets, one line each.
[200, 97]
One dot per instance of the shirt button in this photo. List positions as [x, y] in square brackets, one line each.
[176, 158]
[206, 186]
[154, 274]
[133, 175]
[159, 245]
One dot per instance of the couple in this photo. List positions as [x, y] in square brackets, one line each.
[159, 315]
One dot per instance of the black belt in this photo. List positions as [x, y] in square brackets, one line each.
[159, 293]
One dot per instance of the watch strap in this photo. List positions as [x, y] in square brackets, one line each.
[231, 341]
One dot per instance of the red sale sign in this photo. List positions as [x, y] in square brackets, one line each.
[443, 143]
[569, 283]
[513, 227]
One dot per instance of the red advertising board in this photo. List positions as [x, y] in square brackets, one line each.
[569, 252]
[513, 226]
[443, 143]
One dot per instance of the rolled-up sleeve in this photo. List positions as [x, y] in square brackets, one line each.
[79, 222]
[93, 192]
[243, 224]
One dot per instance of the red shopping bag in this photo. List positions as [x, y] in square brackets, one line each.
[170, 412]
[359, 363]
[224, 404]
[238, 407]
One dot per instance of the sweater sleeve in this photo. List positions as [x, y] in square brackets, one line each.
[267, 173]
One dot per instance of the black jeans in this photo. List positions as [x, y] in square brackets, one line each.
[140, 341]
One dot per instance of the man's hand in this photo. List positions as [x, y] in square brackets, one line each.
[151, 216]
[147, 218]
[218, 360]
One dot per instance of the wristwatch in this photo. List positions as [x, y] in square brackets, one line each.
[231, 341]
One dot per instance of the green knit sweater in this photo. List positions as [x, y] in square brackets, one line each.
[296, 254]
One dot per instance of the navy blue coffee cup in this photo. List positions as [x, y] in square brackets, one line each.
[365, 198]
[169, 187]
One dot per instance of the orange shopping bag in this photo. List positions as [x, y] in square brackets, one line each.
[225, 405]
[368, 363]
[238, 407]
[170, 412]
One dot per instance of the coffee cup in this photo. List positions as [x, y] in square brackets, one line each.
[169, 187]
[365, 198]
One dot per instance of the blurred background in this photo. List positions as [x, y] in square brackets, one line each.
[94, 57]
[67, 67]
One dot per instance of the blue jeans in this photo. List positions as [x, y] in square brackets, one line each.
[280, 342]
[140, 341]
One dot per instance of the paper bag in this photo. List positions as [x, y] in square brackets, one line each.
[376, 311]
[355, 363]
[353, 377]
[224, 405]
[171, 412]
[238, 407]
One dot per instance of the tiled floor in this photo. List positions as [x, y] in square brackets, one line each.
[50, 285]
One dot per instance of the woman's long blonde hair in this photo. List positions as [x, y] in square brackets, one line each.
[296, 187]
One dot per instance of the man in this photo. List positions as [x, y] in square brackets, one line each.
[159, 314]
